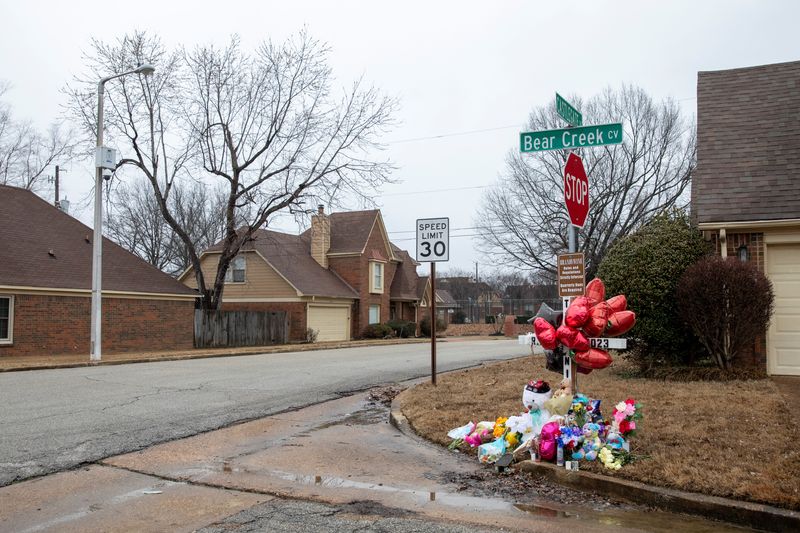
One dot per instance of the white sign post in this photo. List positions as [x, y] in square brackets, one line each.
[433, 245]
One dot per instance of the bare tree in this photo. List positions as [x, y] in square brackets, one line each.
[523, 220]
[25, 153]
[135, 222]
[265, 125]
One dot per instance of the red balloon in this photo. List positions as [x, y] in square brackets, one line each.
[595, 291]
[577, 312]
[598, 320]
[618, 303]
[620, 322]
[545, 333]
[572, 338]
[593, 358]
[583, 370]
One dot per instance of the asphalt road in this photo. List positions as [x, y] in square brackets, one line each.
[51, 420]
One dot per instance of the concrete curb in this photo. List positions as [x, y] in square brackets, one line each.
[754, 515]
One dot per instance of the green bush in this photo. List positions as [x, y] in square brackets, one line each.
[522, 319]
[425, 326]
[459, 317]
[377, 331]
[646, 266]
[403, 328]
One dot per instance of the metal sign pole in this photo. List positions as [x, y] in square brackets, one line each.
[433, 323]
[573, 374]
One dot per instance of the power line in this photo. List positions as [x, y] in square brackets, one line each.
[414, 231]
[451, 236]
[454, 134]
[434, 191]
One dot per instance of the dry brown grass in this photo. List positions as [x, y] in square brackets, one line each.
[735, 439]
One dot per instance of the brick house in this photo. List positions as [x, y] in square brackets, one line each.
[337, 277]
[45, 288]
[746, 188]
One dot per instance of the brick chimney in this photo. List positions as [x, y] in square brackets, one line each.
[320, 236]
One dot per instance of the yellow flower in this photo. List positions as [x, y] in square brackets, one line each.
[512, 439]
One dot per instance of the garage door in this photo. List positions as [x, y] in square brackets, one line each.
[332, 323]
[783, 342]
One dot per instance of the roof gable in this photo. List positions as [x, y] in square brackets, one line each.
[31, 228]
[748, 144]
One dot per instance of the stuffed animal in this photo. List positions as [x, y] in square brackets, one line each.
[535, 394]
[561, 401]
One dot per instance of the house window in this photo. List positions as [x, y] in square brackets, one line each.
[376, 278]
[374, 314]
[235, 273]
[6, 319]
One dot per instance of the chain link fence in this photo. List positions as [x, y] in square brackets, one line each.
[485, 311]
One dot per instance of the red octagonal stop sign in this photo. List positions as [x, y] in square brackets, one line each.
[576, 190]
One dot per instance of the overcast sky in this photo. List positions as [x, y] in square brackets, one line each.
[466, 73]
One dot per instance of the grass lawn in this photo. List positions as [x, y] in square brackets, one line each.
[736, 439]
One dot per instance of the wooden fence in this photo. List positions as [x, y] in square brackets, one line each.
[214, 329]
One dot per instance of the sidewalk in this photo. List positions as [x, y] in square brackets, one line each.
[40, 362]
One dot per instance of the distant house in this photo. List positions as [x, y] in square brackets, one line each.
[337, 277]
[746, 188]
[45, 288]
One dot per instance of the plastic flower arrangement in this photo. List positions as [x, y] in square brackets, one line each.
[499, 427]
[625, 416]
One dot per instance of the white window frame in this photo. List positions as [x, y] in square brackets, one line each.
[371, 307]
[231, 268]
[10, 339]
[376, 267]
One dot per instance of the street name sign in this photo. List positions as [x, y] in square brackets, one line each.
[570, 138]
[433, 239]
[571, 115]
[605, 343]
[571, 275]
[576, 190]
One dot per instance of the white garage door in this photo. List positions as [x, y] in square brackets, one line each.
[332, 323]
[783, 342]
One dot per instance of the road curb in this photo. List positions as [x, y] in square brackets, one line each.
[755, 515]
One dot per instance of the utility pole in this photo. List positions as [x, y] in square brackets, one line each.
[476, 272]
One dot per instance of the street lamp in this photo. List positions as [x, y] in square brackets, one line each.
[104, 158]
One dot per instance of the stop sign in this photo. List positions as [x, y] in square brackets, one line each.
[576, 190]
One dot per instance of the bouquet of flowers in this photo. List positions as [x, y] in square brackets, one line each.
[625, 416]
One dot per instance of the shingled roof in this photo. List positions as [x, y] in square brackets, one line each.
[290, 256]
[404, 284]
[43, 247]
[748, 144]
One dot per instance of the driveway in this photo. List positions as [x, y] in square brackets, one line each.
[56, 419]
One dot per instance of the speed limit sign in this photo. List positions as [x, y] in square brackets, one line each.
[433, 239]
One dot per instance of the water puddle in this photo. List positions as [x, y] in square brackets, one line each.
[420, 496]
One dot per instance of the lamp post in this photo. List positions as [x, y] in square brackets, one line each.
[97, 243]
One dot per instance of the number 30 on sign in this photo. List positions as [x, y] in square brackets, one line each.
[433, 239]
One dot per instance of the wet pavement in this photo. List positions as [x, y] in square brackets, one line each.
[337, 466]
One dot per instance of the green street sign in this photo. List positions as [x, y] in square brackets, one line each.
[570, 138]
[567, 112]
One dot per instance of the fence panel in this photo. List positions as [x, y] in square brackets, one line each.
[216, 329]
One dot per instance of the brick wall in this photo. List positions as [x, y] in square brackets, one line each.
[296, 310]
[356, 272]
[56, 325]
[755, 247]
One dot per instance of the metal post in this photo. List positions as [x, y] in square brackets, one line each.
[433, 323]
[97, 243]
[56, 180]
[573, 247]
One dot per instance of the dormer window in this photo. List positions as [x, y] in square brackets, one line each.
[376, 277]
[236, 270]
